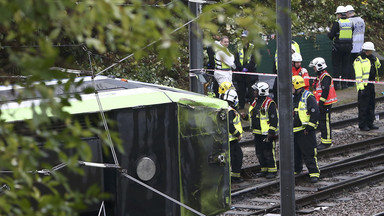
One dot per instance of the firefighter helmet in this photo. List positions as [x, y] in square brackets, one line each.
[319, 63]
[262, 88]
[231, 96]
[296, 57]
[298, 82]
[224, 86]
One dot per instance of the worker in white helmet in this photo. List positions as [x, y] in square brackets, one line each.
[341, 35]
[366, 68]
[357, 37]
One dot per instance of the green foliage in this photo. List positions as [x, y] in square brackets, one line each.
[314, 16]
[146, 43]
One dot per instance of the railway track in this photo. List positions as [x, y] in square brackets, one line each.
[336, 124]
[348, 166]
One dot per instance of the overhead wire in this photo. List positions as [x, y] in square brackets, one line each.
[110, 143]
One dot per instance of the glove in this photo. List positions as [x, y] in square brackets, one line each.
[245, 70]
[308, 129]
[271, 137]
[364, 92]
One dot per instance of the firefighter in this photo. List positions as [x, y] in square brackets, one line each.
[366, 68]
[325, 95]
[305, 117]
[341, 35]
[264, 120]
[245, 62]
[298, 70]
[235, 131]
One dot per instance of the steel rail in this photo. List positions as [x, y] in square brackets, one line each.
[248, 172]
[326, 191]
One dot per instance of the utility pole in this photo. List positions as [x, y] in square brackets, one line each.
[196, 78]
[284, 84]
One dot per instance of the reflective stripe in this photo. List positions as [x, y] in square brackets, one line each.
[235, 174]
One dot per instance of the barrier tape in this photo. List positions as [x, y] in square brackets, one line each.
[194, 74]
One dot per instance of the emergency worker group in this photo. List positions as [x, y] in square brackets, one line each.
[352, 59]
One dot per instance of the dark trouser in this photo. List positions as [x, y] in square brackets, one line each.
[366, 106]
[325, 125]
[243, 84]
[305, 149]
[236, 156]
[266, 153]
[352, 70]
[341, 65]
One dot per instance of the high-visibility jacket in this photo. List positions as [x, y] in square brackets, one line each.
[303, 73]
[332, 98]
[237, 124]
[263, 116]
[221, 65]
[302, 111]
[345, 26]
[362, 68]
[245, 56]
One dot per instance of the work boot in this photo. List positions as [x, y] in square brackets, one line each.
[237, 179]
[323, 146]
[271, 175]
[261, 174]
[373, 127]
[314, 179]
[364, 128]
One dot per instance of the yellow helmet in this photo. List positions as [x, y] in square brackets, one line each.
[224, 86]
[298, 82]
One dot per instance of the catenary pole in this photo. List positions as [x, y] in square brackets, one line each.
[196, 78]
[284, 82]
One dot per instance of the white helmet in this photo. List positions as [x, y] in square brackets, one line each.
[368, 46]
[341, 9]
[231, 96]
[349, 8]
[319, 63]
[262, 87]
[296, 57]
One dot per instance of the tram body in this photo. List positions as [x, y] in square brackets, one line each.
[174, 141]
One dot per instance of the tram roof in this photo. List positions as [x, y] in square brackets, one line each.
[113, 94]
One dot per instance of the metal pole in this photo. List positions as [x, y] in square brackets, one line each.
[284, 82]
[196, 78]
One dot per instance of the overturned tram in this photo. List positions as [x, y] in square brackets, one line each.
[176, 156]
